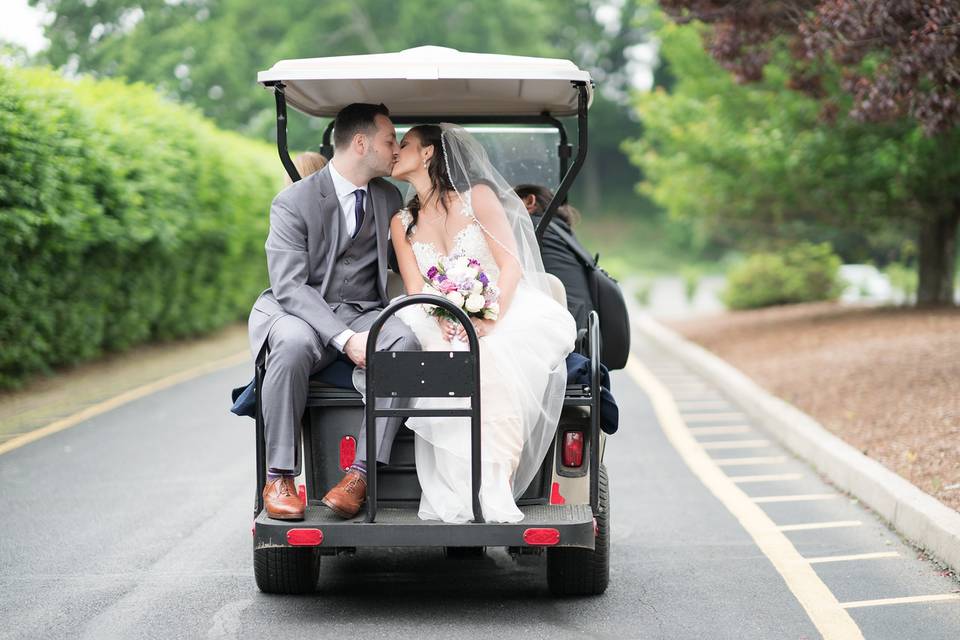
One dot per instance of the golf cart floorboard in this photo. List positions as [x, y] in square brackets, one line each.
[400, 527]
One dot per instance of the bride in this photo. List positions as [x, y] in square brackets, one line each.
[464, 208]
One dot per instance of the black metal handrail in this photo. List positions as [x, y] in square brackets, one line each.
[593, 331]
[372, 412]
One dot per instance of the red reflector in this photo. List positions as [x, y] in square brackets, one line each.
[302, 492]
[555, 497]
[348, 451]
[304, 537]
[545, 537]
[572, 449]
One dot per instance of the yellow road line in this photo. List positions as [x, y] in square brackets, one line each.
[855, 556]
[719, 431]
[831, 620]
[812, 526]
[941, 597]
[744, 462]
[806, 497]
[122, 399]
[771, 477]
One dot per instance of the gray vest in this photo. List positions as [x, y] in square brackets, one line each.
[354, 276]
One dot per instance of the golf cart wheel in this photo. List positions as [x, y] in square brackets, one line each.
[584, 572]
[287, 570]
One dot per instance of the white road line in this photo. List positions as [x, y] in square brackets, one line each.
[853, 557]
[941, 597]
[122, 399]
[735, 444]
[770, 477]
[810, 526]
[745, 462]
[831, 620]
[807, 497]
[705, 417]
[719, 431]
[704, 404]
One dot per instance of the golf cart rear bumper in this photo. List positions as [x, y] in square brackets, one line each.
[542, 525]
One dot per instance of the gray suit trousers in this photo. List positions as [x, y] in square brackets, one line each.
[296, 352]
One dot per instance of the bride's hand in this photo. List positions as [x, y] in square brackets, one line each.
[482, 327]
[449, 328]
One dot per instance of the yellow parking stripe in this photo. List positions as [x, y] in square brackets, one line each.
[831, 620]
[122, 399]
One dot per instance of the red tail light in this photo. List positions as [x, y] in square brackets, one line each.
[572, 449]
[304, 537]
[541, 537]
[348, 451]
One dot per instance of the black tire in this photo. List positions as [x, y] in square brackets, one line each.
[287, 570]
[455, 553]
[582, 572]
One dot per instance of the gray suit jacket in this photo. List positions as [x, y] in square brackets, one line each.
[305, 226]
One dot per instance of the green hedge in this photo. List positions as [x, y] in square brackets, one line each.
[123, 218]
[802, 273]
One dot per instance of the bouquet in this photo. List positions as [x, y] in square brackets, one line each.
[462, 281]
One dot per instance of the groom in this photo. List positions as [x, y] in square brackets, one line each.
[327, 262]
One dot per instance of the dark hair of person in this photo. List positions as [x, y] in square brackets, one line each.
[543, 196]
[430, 135]
[355, 118]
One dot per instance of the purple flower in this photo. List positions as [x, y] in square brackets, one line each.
[432, 272]
[484, 279]
[441, 277]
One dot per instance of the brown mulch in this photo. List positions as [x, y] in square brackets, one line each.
[886, 380]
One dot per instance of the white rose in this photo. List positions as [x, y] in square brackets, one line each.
[492, 312]
[462, 262]
[457, 274]
[474, 303]
[471, 273]
[456, 298]
[476, 287]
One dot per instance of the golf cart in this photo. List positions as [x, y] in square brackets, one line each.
[566, 506]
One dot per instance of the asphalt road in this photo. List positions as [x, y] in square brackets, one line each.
[136, 524]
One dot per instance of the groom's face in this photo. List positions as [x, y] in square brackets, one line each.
[382, 152]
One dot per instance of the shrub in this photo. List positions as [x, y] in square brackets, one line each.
[123, 218]
[802, 273]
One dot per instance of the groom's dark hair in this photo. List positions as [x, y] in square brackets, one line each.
[355, 118]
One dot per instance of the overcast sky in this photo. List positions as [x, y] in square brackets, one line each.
[22, 25]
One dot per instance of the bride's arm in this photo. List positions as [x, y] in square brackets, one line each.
[409, 270]
[491, 216]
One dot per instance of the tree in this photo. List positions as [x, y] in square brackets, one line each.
[881, 61]
[755, 163]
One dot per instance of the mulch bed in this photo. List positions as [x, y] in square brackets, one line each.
[886, 380]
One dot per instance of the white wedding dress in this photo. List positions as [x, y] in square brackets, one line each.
[530, 340]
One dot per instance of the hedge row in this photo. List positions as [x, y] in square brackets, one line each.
[123, 218]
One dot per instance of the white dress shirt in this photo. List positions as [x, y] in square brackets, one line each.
[348, 203]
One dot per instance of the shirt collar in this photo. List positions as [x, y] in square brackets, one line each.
[342, 186]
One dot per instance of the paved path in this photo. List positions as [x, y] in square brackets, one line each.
[136, 524]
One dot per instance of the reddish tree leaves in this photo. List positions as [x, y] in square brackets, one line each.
[913, 47]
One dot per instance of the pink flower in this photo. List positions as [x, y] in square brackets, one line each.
[447, 286]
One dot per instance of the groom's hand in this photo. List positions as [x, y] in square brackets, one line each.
[356, 349]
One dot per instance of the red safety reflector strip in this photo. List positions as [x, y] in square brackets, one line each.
[348, 452]
[555, 497]
[304, 537]
[572, 449]
[302, 492]
[541, 537]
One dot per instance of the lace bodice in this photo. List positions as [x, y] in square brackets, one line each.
[470, 241]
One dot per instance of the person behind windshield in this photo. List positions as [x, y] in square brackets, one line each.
[306, 163]
[558, 257]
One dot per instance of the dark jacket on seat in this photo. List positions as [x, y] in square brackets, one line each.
[561, 261]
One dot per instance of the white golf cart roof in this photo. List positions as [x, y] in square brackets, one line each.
[430, 80]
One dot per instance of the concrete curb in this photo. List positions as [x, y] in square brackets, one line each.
[920, 517]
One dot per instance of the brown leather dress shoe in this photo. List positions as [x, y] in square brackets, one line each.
[347, 497]
[281, 501]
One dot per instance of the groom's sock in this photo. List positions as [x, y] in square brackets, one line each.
[359, 466]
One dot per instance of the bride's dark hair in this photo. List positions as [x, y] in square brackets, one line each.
[431, 135]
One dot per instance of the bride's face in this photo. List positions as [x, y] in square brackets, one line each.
[412, 156]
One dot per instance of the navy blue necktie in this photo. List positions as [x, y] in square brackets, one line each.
[358, 210]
